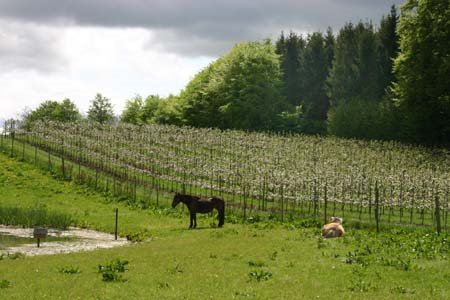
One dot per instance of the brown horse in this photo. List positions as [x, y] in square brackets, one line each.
[201, 205]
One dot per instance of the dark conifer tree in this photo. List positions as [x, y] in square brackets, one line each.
[388, 37]
[314, 73]
[290, 49]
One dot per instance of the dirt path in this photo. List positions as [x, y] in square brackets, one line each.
[86, 240]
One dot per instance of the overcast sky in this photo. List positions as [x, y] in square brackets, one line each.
[56, 49]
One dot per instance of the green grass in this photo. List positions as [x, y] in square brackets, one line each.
[261, 260]
[33, 216]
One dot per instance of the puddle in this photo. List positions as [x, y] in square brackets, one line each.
[83, 240]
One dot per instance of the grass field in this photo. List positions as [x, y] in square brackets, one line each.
[261, 260]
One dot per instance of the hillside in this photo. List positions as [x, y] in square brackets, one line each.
[282, 176]
[260, 260]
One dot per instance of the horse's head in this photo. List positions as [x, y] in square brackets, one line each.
[176, 200]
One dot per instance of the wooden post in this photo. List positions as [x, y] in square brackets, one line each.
[12, 134]
[35, 154]
[63, 167]
[325, 199]
[377, 207]
[437, 211]
[117, 221]
[23, 150]
[245, 205]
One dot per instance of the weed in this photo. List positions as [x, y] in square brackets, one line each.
[308, 223]
[355, 258]
[260, 275]
[290, 265]
[69, 270]
[212, 225]
[244, 294]
[256, 264]
[217, 234]
[163, 285]
[177, 269]
[232, 219]
[254, 219]
[4, 284]
[263, 225]
[110, 270]
[402, 290]
[274, 255]
[137, 236]
[359, 285]
[321, 242]
[15, 255]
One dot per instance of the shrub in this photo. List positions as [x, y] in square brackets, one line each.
[110, 270]
[363, 119]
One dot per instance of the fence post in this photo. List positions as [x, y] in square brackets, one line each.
[23, 148]
[62, 159]
[12, 134]
[1, 137]
[325, 204]
[117, 220]
[377, 206]
[437, 212]
[245, 204]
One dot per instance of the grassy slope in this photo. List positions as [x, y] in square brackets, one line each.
[199, 264]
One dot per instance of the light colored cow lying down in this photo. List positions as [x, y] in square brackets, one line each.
[333, 229]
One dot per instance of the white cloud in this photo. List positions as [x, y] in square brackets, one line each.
[29, 46]
[115, 62]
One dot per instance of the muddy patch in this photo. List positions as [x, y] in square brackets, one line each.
[80, 240]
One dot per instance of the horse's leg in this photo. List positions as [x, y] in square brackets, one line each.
[195, 220]
[191, 220]
[221, 216]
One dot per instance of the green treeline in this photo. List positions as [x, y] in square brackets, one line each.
[387, 81]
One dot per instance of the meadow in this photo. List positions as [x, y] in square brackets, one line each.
[243, 260]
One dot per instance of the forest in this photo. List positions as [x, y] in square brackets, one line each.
[386, 81]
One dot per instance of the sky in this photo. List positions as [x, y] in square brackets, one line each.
[57, 49]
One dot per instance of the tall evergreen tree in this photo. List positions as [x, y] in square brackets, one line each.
[422, 70]
[369, 71]
[290, 49]
[389, 41]
[329, 46]
[355, 73]
[314, 73]
[341, 81]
